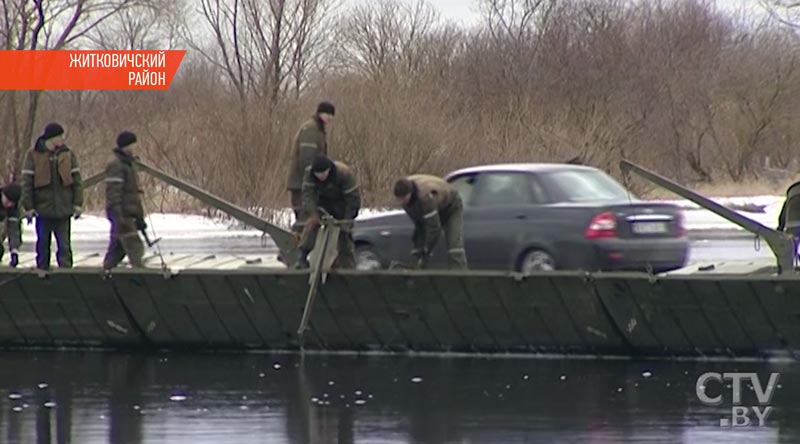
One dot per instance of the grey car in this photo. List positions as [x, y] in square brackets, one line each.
[536, 217]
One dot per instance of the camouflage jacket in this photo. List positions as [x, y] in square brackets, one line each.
[309, 142]
[13, 227]
[51, 182]
[123, 196]
[339, 195]
[431, 197]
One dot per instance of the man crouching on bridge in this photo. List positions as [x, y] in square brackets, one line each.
[432, 204]
[124, 206]
[330, 186]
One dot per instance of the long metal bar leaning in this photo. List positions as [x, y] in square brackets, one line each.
[93, 180]
[780, 243]
[321, 261]
[284, 239]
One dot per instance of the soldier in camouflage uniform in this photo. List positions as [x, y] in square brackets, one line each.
[124, 206]
[52, 189]
[330, 186]
[10, 218]
[432, 204]
[310, 141]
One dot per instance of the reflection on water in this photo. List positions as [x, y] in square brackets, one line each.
[83, 397]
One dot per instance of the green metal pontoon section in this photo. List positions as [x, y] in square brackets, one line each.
[260, 308]
[628, 314]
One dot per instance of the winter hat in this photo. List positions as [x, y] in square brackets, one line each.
[326, 108]
[126, 138]
[52, 130]
[320, 164]
[403, 187]
[12, 192]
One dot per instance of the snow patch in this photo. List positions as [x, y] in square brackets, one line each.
[764, 209]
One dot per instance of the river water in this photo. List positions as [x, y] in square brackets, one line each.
[100, 397]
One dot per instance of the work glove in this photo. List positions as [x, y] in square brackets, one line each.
[14, 260]
[77, 212]
[141, 225]
[29, 216]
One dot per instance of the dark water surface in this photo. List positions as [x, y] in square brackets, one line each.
[94, 397]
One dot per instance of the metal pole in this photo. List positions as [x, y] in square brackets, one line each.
[316, 276]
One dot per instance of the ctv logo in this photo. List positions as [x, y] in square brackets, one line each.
[740, 415]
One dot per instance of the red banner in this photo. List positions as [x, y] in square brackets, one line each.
[88, 70]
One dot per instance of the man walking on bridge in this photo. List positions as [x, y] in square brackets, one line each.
[432, 204]
[124, 206]
[52, 190]
[330, 186]
[10, 217]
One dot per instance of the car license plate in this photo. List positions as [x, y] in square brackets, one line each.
[649, 227]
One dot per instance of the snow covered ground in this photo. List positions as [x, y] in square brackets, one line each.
[764, 209]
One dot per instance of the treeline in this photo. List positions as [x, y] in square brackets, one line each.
[694, 91]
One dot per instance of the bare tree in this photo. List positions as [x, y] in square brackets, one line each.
[379, 38]
[264, 48]
[56, 24]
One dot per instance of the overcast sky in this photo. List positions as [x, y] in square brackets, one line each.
[466, 11]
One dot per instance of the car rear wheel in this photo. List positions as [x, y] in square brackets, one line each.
[367, 258]
[536, 260]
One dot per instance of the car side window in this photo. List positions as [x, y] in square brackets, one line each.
[465, 186]
[498, 189]
[539, 193]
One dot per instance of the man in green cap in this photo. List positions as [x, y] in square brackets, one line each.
[124, 206]
[330, 186]
[310, 141]
[52, 190]
[10, 218]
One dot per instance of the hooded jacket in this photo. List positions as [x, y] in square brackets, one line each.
[123, 196]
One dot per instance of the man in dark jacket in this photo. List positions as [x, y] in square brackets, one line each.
[124, 206]
[330, 186]
[52, 189]
[432, 204]
[310, 141]
[10, 218]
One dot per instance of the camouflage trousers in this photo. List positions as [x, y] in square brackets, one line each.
[452, 221]
[125, 241]
[297, 208]
[453, 226]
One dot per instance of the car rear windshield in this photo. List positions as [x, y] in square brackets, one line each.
[586, 186]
